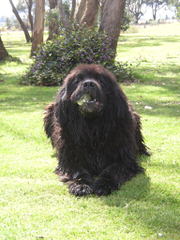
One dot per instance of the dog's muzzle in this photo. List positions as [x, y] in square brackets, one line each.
[88, 97]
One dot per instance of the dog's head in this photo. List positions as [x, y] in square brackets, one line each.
[88, 87]
[90, 98]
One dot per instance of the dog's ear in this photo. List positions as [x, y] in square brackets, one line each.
[49, 119]
[61, 107]
[61, 95]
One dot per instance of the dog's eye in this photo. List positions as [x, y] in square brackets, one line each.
[76, 81]
[101, 81]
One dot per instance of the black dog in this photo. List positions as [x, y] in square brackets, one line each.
[95, 132]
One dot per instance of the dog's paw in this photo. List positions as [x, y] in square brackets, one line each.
[103, 187]
[78, 189]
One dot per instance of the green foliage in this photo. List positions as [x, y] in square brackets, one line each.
[178, 12]
[80, 45]
[125, 22]
[52, 16]
[134, 8]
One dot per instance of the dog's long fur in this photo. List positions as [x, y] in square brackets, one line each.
[96, 152]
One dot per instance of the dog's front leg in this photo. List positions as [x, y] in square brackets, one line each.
[112, 177]
[107, 181]
[81, 183]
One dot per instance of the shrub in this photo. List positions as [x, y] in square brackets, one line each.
[56, 58]
[125, 22]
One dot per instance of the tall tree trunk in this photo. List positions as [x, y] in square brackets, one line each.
[137, 17]
[52, 4]
[23, 26]
[3, 52]
[90, 13]
[154, 12]
[63, 17]
[112, 15]
[38, 25]
[80, 11]
[30, 16]
[53, 21]
[73, 9]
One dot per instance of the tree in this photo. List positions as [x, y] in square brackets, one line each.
[178, 12]
[53, 4]
[85, 15]
[3, 52]
[26, 7]
[38, 25]
[73, 9]
[176, 4]
[64, 14]
[29, 4]
[53, 19]
[90, 13]
[135, 8]
[61, 14]
[112, 14]
[156, 5]
[23, 26]
[80, 42]
[80, 11]
[8, 23]
[111, 20]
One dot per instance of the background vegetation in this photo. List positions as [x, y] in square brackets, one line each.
[34, 205]
[79, 45]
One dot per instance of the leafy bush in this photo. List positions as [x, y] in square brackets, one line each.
[125, 22]
[56, 58]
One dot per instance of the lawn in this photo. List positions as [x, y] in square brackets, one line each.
[35, 205]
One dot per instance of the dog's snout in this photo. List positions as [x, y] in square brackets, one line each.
[89, 84]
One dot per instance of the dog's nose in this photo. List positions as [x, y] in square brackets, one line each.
[89, 84]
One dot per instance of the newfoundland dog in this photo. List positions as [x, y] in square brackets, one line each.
[95, 131]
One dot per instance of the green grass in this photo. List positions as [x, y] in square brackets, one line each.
[35, 205]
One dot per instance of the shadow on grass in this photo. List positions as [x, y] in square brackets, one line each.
[16, 52]
[144, 41]
[146, 205]
[17, 44]
[17, 48]
[158, 90]
[161, 109]
[23, 99]
[162, 69]
[20, 98]
[137, 188]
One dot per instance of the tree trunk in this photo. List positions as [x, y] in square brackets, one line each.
[63, 17]
[154, 12]
[80, 11]
[30, 16]
[112, 15]
[3, 52]
[23, 26]
[38, 25]
[52, 4]
[154, 16]
[90, 13]
[73, 9]
[137, 17]
[53, 21]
